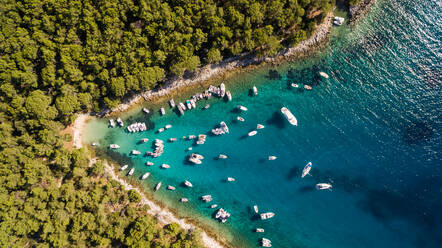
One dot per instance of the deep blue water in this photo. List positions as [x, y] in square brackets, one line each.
[373, 131]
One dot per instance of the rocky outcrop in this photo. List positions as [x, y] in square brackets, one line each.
[359, 10]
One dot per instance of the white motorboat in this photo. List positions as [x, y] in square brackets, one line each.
[144, 140]
[165, 166]
[255, 90]
[135, 152]
[267, 215]
[260, 230]
[188, 104]
[259, 126]
[170, 187]
[148, 163]
[120, 122]
[145, 110]
[206, 198]
[195, 158]
[338, 21]
[322, 186]
[124, 167]
[94, 144]
[158, 186]
[222, 156]
[172, 103]
[230, 179]
[207, 106]
[114, 146]
[239, 118]
[306, 169]
[222, 215]
[162, 111]
[307, 87]
[229, 95]
[131, 172]
[145, 175]
[295, 85]
[168, 126]
[112, 123]
[213, 206]
[192, 102]
[183, 107]
[272, 157]
[222, 87]
[255, 208]
[266, 242]
[289, 116]
[188, 184]
[172, 139]
[242, 108]
[252, 133]
[323, 74]
[160, 130]
[184, 200]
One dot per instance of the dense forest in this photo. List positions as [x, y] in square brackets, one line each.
[59, 57]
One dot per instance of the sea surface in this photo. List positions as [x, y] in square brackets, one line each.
[372, 131]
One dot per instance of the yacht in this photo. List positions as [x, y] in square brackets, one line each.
[145, 175]
[222, 156]
[183, 107]
[242, 108]
[289, 116]
[253, 133]
[124, 167]
[224, 127]
[230, 179]
[267, 215]
[266, 242]
[259, 126]
[239, 118]
[162, 111]
[131, 172]
[184, 200]
[145, 110]
[306, 169]
[222, 87]
[188, 184]
[165, 166]
[272, 157]
[222, 215]
[323, 74]
[158, 186]
[229, 95]
[112, 123]
[135, 152]
[321, 186]
[255, 208]
[255, 90]
[260, 230]
[295, 85]
[172, 103]
[195, 158]
[114, 146]
[170, 187]
[148, 163]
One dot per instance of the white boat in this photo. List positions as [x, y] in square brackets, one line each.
[188, 104]
[207, 106]
[170, 187]
[145, 110]
[259, 126]
[120, 122]
[338, 21]
[289, 116]
[306, 169]
[162, 111]
[160, 130]
[172, 103]
[222, 87]
[148, 163]
[168, 126]
[321, 186]
[242, 108]
[308, 87]
[144, 140]
[183, 107]
[180, 109]
[295, 85]
[260, 230]
[255, 208]
[323, 74]
[239, 118]
[145, 175]
[184, 200]
[222, 156]
[165, 166]
[229, 95]
[252, 133]
[131, 172]
[158, 186]
[213, 206]
[267, 215]
[112, 123]
[266, 242]
[230, 179]
[114, 146]
[195, 158]
[255, 90]
[206, 198]
[172, 139]
[224, 126]
[94, 144]
[222, 215]
[192, 102]
[124, 167]
[272, 157]
[188, 184]
[135, 152]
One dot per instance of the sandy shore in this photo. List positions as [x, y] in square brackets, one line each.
[78, 130]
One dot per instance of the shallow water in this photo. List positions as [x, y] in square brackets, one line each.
[372, 130]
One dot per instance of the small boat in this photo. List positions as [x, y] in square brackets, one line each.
[222, 156]
[255, 90]
[144, 140]
[239, 118]
[188, 104]
[120, 122]
[252, 133]
[224, 126]
[114, 146]
[183, 107]
[162, 111]
[188, 184]
[180, 109]
[158, 186]
[124, 167]
[323, 74]
[165, 166]
[338, 21]
[255, 208]
[229, 95]
[135, 152]
[206, 198]
[230, 179]
[172, 139]
[207, 106]
[308, 87]
[148, 163]
[192, 102]
[190, 149]
[168, 126]
[260, 230]
[306, 169]
[289, 116]
[259, 126]
[272, 157]
[222, 215]
[170, 187]
[172, 103]
[242, 108]
[145, 110]
[94, 144]
[321, 186]
[295, 85]
[266, 242]
[184, 200]
[160, 130]
[131, 172]
[145, 175]
[213, 206]
[267, 215]
[112, 123]
[222, 87]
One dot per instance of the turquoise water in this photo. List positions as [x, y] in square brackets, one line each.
[372, 130]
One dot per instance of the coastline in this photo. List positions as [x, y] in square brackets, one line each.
[360, 10]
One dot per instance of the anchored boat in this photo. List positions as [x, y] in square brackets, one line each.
[306, 169]
[289, 116]
[322, 186]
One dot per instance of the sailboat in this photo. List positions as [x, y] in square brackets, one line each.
[306, 169]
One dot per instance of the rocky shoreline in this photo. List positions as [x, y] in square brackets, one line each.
[360, 10]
